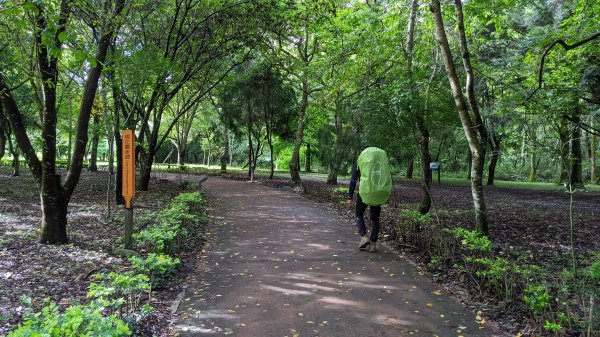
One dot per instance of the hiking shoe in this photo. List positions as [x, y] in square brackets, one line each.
[373, 247]
[364, 242]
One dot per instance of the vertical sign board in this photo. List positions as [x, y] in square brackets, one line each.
[128, 166]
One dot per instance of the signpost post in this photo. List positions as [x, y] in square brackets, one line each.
[128, 146]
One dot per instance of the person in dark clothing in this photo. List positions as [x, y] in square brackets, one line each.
[365, 241]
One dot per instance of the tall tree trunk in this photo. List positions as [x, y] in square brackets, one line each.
[576, 167]
[4, 131]
[70, 142]
[410, 169]
[425, 156]
[425, 203]
[468, 110]
[250, 145]
[94, 149]
[332, 178]
[230, 148]
[2, 137]
[336, 161]
[308, 158]
[271, 159]
[225, 153]
[564, 143]
[469, 164]
[523, 160]
[593, 144]
[147, 155]
[118, 143]
[111, 156]
[495, 144]
[295, 162]
[16, 164]
[209, 154]
[533, 165]
[54, 215]
[181, 154]
[147, 159]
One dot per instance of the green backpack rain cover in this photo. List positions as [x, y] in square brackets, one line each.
[375, 178]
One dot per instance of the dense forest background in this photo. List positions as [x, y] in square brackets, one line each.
[302, 85]
[306, 83]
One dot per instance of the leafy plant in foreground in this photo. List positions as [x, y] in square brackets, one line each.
[537, 298]
[78, 320]
[158, 267]
[121, 291]
[473, 240]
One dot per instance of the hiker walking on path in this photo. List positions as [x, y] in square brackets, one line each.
[373, 171]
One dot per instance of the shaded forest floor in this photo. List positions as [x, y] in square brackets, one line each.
[529, 226]
[63, 273]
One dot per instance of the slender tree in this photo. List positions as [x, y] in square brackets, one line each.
[468, 109]
[55, 194]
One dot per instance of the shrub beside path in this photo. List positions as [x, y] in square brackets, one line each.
[277, 264]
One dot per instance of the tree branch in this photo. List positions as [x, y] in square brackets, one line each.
[566, 47]
[20, 131]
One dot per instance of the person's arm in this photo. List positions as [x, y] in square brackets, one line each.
[353, 180]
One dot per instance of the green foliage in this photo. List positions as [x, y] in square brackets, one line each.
[495, 268]
[537, 298]
[473, 240]
[434, 262]
[340, 190]
[593, 270]
[159, 267]
[158, 238]
[553, 327]
[78, 320]
[191, 197]
[408, 215]
[172, 225]
[121, 292]
[118, 297]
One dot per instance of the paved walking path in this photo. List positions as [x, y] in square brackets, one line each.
[281, 265]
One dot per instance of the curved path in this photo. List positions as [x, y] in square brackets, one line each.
[277, 264]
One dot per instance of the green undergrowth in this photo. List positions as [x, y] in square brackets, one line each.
[120, 300]
[563, 304]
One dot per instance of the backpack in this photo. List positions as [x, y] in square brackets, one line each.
[375, 177]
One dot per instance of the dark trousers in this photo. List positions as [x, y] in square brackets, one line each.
[360, 219]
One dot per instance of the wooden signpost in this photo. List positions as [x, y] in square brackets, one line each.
[128, 156]
[128, 166]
